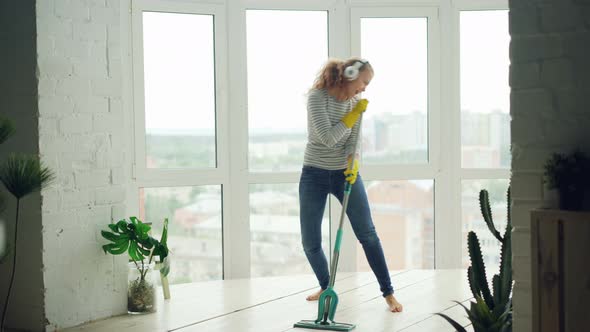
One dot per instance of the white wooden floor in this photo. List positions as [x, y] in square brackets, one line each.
[275, 304]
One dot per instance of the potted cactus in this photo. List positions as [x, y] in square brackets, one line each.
[132, 237]
[492, 309]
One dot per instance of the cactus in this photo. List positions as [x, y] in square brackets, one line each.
[492, 311]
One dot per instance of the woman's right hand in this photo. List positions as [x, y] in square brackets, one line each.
[350, 118]
[360, 106]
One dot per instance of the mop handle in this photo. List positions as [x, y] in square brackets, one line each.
[347, 190]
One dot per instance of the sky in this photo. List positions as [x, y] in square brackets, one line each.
[283, 61]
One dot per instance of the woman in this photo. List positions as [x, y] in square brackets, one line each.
[333, 111]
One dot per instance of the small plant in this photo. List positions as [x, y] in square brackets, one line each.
[132, 237]
[492, 310]
[570, 175]
[21, 175]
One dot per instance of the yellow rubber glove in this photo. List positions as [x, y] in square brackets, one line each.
[351, 117]
[352, 172]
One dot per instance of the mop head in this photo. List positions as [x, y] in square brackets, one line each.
[332, 326]
[327, 304]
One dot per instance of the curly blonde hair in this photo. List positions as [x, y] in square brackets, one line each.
[331, 74]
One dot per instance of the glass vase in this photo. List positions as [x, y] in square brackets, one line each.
[141, 288]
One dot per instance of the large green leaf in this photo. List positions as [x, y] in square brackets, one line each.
[114, 249]
[113, 236]
[453, 322]
[164, 238]
[134, 253]
[482, 313]
[134, 220]
[122, 225]
[143, 251]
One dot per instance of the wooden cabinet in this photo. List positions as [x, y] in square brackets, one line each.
[560, 242]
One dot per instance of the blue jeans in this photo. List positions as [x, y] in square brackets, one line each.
[314, 186]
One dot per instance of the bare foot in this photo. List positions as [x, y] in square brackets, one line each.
[394, 306]
[315, 296]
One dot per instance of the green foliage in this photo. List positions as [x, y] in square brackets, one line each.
[133, 237]
[492, 310]
[486, 212]
[21, 174]
[567, 171]
[6, 129]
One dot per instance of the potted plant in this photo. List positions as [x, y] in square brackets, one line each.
[570, 175]
[21, 175]
[492, 309]
[132, 237]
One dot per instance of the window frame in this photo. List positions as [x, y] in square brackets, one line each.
[143, 177]
[455, 110]
[431, 170]
[232, 173]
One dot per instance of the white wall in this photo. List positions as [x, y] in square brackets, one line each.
[550, 80]
[18, 102]
[83, 139]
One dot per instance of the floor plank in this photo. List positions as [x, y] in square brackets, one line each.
[275, 304]
[420, 301]
[290, 310]
[437, 323]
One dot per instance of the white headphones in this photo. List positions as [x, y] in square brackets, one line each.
[351, 72]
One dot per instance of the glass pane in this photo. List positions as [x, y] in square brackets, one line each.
[275, 235]
[473, 221]
[194, 229]
[282, 65]
[179, 90]
[395, 126]
[485, 93]
[403, 214]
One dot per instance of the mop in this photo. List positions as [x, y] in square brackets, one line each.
[328, 300]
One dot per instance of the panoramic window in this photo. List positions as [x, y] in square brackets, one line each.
[194, 229]
[282, 63]
[179, 82]
[485, 93]
[395, 127]
[403, 214]
[275, 235]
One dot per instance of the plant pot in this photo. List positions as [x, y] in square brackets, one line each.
[141, 289]
[571, 198]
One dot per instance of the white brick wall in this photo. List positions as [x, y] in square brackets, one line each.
[81, 131]
[549, 77]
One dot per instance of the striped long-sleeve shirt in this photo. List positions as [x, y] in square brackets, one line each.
[330, 142]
